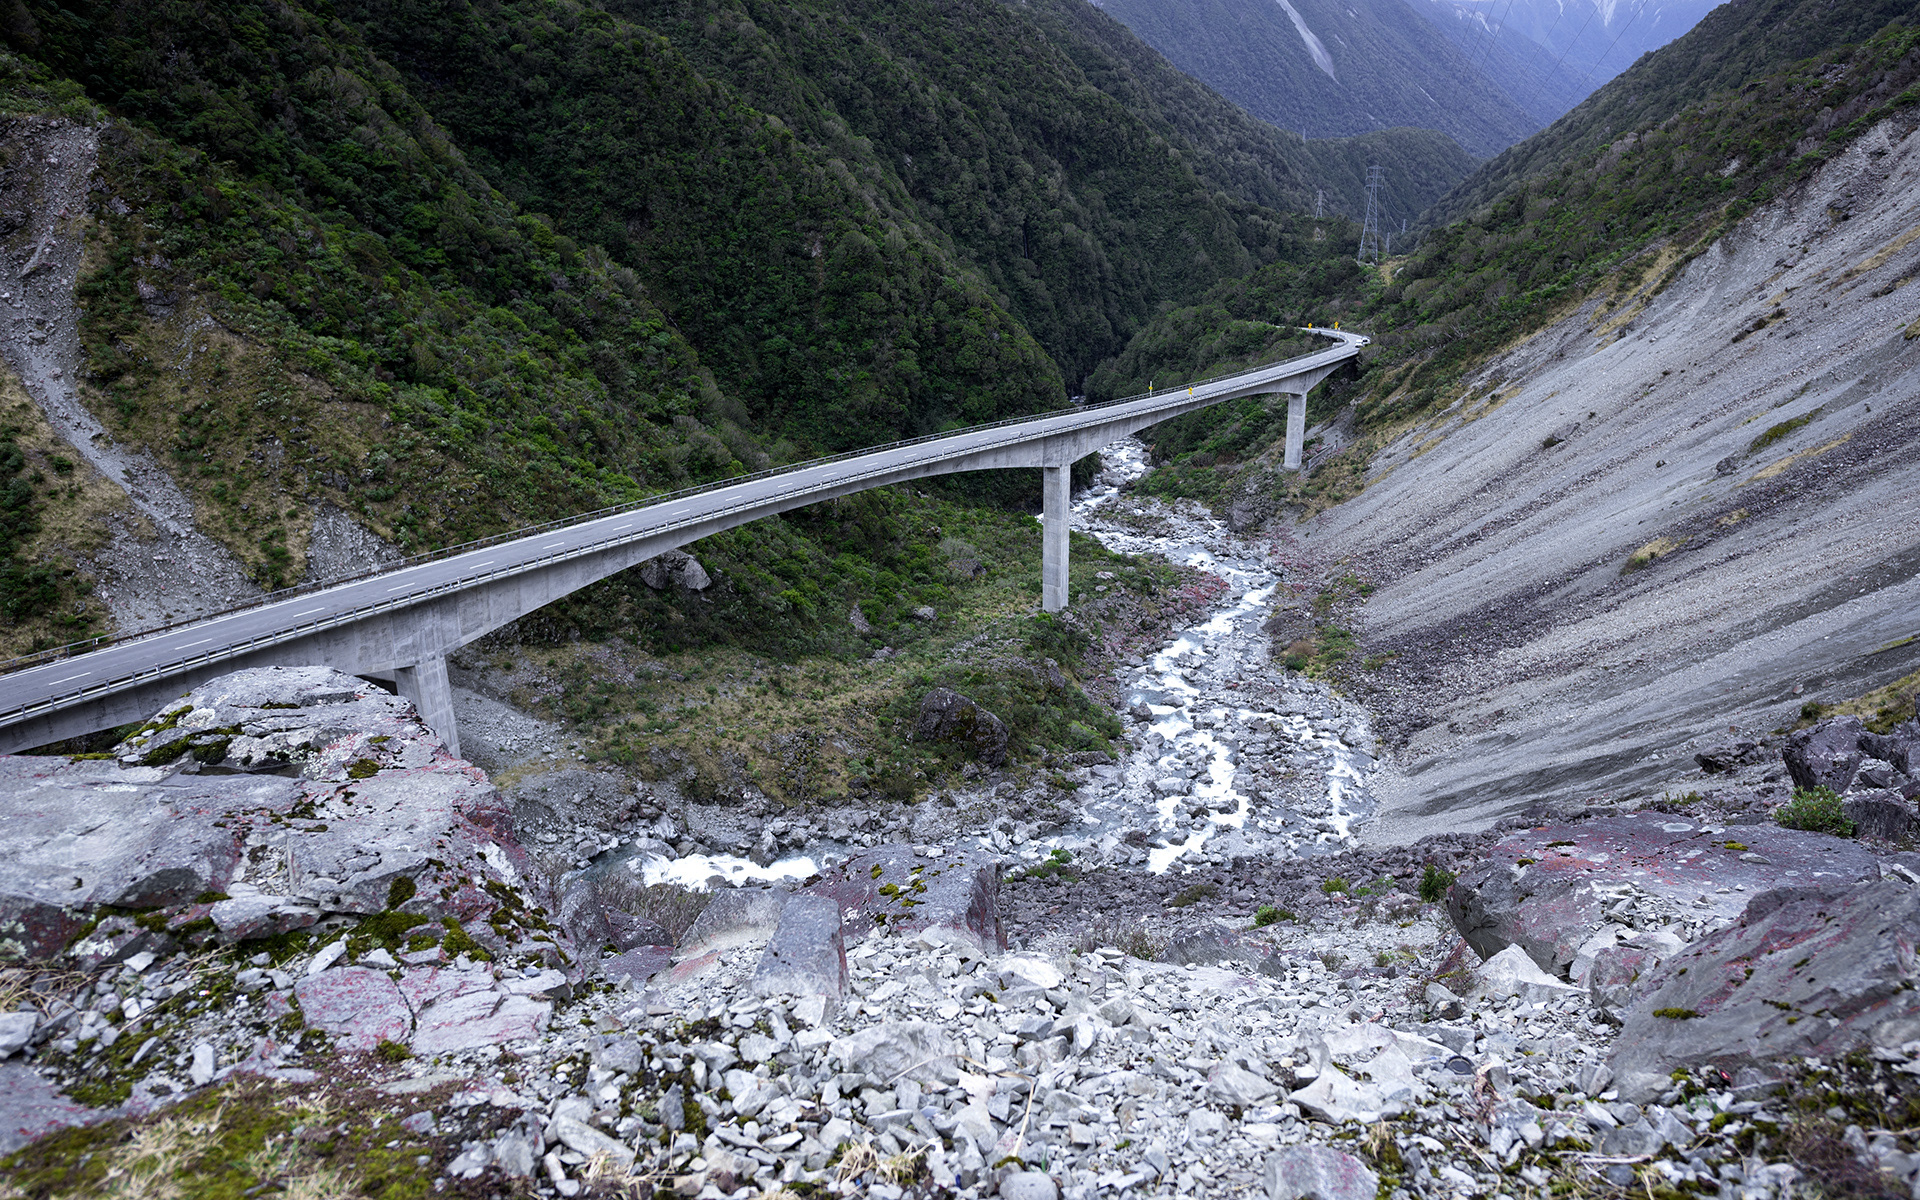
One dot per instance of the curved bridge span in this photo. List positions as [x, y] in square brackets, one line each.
[404, 620]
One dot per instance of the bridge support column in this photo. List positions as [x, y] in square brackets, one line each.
[1296, 430]
[1056, 487]
[425, 683]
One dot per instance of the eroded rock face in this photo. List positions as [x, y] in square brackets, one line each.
[261, 801]
[1549, 890]
[947, 716]
[1805, 971]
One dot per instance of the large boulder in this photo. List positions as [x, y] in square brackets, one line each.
[261, 800]
[1805, 971]
[596, 909]
[1899, 748]
[807, 955]
[952, 899]
[1883, 816]
[675, 568]
[1826, 755]
[947, 716]
[1550, 890]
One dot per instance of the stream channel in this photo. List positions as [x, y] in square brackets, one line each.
[1226, 755]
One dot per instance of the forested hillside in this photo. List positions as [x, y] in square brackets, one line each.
[457, 268]
[1082, 208]
[1731, 45]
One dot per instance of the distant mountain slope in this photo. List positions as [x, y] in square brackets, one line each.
[1734, 43]
[1591, 41]
[1532, 75]
[1420, 162]
[1332, 68]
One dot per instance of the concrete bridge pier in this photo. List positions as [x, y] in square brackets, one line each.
[425, 683]
[1296, 429]
[1057, 495]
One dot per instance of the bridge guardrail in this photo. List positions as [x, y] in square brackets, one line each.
[73, 649]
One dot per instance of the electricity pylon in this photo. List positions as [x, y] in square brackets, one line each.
[1370, 230]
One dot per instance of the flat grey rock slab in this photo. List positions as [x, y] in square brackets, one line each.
[1548, 889]
[30, 1108]
[954, 898]
[1319, 1172]
[79, 834]
[734, 917]
[807, 955]
[1806, 971]
[370, 813]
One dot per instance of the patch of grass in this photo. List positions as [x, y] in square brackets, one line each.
[1884, 707]
[1676, 1014]
[1335, 886]
[245, 1138]
[1649, 554]
[1776, 432]
[1815, 810]
[1265, 915]
[1135, 942]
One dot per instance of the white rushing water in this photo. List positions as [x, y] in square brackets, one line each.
[1203, 770]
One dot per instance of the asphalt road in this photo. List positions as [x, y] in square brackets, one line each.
[141, 658]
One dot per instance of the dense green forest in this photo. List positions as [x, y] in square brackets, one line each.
[458, 268]
[1730, 46]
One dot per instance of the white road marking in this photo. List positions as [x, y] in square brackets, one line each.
[191, 645]
[311, 611]
[71, 678]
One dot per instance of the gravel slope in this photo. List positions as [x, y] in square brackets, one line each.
[1532, 662]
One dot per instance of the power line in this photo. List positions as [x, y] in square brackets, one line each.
[1486, 52]
[1555, 70]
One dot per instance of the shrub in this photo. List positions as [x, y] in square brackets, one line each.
[1816, 810]
[1266, 914]
[1135, 942]
[1335, 885]
[1435, 881]
[1194, 895]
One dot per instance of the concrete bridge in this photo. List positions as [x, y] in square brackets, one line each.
[403, 621]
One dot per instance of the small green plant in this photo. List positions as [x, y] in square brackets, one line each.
[1054, 866]
[1335, 886]
[392, 1051]
[1676, 1014]
[1435, 881]
[1265, 915]
[1815, 810]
